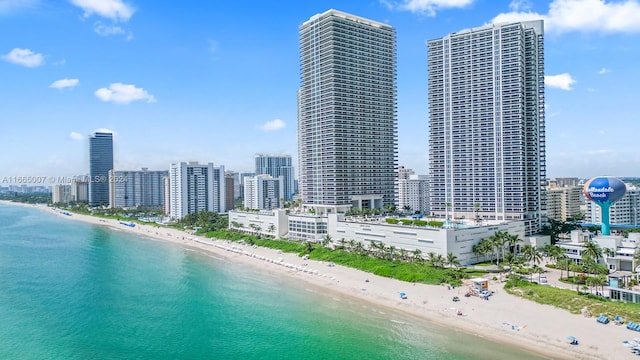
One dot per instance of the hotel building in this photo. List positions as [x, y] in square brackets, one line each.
[487, 125]
[347, 126]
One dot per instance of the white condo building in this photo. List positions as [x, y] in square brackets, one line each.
[563, 203]
[196, 187]
[137, 188]
[347, 126]
[487, 126]
[413, 192]
[61, 194]
[263, 192]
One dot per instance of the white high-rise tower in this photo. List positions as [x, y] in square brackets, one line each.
[347, 127]
[487, 126]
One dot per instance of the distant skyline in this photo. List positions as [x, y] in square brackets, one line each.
[217, 82]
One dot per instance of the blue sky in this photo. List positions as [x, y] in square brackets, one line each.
[216, 81]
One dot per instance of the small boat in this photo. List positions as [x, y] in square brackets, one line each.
[456, 299]
[403, 295]
[572, 340]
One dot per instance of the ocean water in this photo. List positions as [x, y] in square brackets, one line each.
[70, 290]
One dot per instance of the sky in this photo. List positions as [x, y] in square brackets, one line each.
[214, 81]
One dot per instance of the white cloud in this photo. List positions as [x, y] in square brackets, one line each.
[561, 81]
[582, 16]
[123, 94]
[519, 5]
[429, 7]
[109, 30]
[24, 57]
[115, 10]
[76, 136]
[64, 83]
[604, 71]
[272, 125]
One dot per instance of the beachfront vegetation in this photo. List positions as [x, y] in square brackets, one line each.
[555, 228]
[585, 302]
[377, 258]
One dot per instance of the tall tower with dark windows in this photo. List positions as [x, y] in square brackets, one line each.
[487, 124]
[347, 126]
[100, 163]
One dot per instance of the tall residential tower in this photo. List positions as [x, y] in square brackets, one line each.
[487, 126]
[100, 163]
[347, 127]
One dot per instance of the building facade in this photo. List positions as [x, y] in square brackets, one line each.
[229, 187]
[100, 163]
[61, 194]
[263, 192]
[487, 125]
[195, 187]
[564, 203]
[413, 194]
[347, 126]
[137, 188]
[276, 166]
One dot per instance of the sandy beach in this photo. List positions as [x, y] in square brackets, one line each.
[504, 318]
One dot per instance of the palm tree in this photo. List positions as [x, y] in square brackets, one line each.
[358, 248]
[272, 229]
[407, 209]
[403, 254]
[531, 254]
[563, 263]
[391, 252]
[431, 257]
[452, 260]
[417, 254]
[511, 240]
[326, 241]
[476, 207]
[592, 250]
[342, 242]
[438, 260]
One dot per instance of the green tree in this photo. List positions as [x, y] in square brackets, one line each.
[452, 260]
[531, 254]
[592, 250]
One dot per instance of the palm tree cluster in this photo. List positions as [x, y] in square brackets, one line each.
[379, 250]
[496, 246]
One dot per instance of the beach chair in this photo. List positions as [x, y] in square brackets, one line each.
[630, 325]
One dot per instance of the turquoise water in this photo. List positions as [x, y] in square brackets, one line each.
[70, 290]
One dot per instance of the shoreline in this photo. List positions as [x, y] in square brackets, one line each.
[505, 319]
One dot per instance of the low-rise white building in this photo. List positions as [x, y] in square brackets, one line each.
[265, 222]
[459, 241]
[623, 249]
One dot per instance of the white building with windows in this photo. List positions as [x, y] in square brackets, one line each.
[487, 125]
[263, 192]
[137, 188]
[61, 194]
[277, 166]
[347, 125]
[563, 203]
[413, 192]
[196, 187]
[273, 223]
